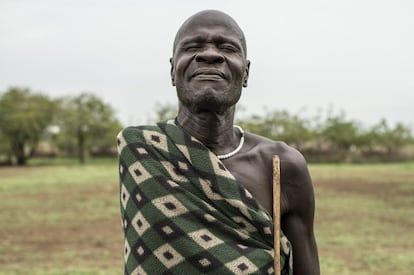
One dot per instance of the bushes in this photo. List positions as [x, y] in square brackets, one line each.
[334, 139]
[78, 125]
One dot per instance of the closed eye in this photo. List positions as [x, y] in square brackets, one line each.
[190, 47]
[228, 47]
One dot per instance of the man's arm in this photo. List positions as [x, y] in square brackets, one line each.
[297, 223]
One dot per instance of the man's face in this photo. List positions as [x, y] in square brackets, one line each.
[209, 67]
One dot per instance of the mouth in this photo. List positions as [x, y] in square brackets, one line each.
[208, 74]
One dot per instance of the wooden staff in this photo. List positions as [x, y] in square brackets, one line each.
[276, 212]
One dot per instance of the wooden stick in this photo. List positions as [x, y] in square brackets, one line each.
[276, 212]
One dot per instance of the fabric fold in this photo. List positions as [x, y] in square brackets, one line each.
[183, 211]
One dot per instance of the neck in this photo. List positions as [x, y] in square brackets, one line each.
[214, 130]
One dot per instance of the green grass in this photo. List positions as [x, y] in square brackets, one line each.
[63, 218]
[364, 220]
[60, 219]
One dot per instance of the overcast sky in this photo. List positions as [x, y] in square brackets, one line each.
[353, 55]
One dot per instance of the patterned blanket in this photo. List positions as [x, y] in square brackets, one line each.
[184, 213]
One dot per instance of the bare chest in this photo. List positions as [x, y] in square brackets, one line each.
[256, 179]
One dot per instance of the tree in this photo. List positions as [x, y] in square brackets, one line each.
[163, 112]
[341, 133]
[5, 152]
[86, 121]
[392, 139]
[280, 125]
[24, 119]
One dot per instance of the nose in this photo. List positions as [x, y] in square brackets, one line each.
[209, 55]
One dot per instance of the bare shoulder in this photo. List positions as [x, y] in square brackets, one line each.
[292, 161]
[296, 184]
[297, 199]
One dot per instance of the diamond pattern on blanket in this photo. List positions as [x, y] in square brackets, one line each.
[204, 262]
[169, 206]
[208, 190]
[125, 223]
[241, 221]
[127, 250]
[139, 198]
[142, 151]
[122, 170]
[168, 230]
[140, 224]
[124, 196]
[121, 142]
[205, 238]
[138, 172]
[141, 251]
[173, 171]
[242, 265]
[168, 256]
[219, 168]
[156, 139]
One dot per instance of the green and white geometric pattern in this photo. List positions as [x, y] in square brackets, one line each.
[184, 213]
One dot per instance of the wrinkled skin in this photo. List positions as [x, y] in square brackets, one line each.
[209, 69]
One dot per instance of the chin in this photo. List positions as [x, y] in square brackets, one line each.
[208, 99]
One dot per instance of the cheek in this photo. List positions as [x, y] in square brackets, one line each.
[238, 67]
[181, 65]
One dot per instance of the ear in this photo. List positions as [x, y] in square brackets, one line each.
[246, 74]
[172, 71]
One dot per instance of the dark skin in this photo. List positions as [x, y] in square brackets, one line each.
[209, 69]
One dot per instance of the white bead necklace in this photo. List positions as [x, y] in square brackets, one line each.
[232, 153]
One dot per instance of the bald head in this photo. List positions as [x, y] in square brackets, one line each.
[208, 18]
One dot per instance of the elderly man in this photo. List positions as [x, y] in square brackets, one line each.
[196, 192]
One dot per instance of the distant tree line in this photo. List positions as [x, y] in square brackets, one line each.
[77, 125]
[335, 138]
[326, 137]
[83, 125]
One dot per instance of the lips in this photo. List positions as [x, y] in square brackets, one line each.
[209, 73]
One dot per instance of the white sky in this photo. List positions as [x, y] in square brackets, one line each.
[352, 55]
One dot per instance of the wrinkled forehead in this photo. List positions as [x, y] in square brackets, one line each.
[210, 19]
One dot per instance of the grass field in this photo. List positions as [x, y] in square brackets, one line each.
[64, 219]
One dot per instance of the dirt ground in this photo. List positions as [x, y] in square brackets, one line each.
[75, 226]
[87, 230]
